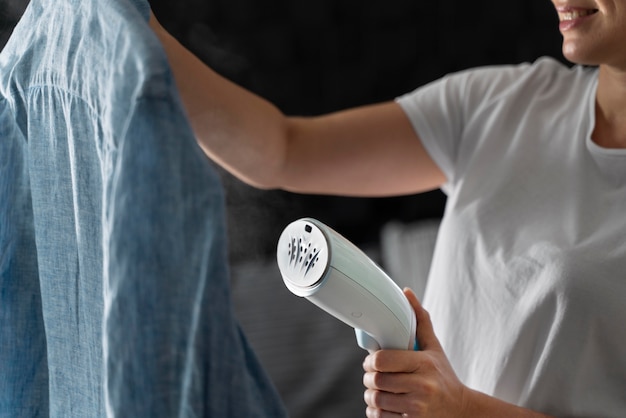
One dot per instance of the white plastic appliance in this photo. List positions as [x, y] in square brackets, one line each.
[319, 264]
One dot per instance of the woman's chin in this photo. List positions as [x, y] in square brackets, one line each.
[577, 55]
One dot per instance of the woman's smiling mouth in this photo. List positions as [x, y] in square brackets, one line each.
[571, 17]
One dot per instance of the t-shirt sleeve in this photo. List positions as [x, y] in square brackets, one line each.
[441, 111]
[435, 112]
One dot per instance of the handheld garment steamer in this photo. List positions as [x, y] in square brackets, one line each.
[320, 265]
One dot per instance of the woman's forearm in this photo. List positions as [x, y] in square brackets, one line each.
[484, 406]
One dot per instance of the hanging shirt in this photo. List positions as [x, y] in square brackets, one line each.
[114, 289]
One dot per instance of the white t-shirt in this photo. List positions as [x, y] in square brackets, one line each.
[527, 289]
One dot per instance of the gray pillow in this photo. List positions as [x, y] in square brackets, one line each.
[407, 251]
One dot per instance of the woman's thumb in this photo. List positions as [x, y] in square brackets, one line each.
[425, 333]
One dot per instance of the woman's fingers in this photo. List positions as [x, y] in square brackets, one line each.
[393, 383]
[392, 361]
[394, 403]
[385, 401]
[377, 413]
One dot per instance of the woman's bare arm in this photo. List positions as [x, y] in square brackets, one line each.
[367, 151]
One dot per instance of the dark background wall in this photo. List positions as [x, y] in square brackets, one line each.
[310, 57]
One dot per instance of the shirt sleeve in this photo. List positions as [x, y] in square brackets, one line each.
[171, 340]
[441, 111]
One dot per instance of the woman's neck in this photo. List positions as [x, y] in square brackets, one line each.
[610, 128]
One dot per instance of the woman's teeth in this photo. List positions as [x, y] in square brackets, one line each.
[575, 14]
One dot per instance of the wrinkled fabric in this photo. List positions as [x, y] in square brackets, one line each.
[114, 290]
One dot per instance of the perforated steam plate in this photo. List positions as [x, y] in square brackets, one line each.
[303, 254]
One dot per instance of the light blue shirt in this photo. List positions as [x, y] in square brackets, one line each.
[114, 289]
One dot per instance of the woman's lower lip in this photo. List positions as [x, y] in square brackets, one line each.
[566, 25]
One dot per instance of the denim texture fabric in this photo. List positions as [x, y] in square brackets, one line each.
[114, 286]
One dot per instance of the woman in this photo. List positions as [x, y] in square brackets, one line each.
[527, 286]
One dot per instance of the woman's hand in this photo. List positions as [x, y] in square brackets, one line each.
[414, 383]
